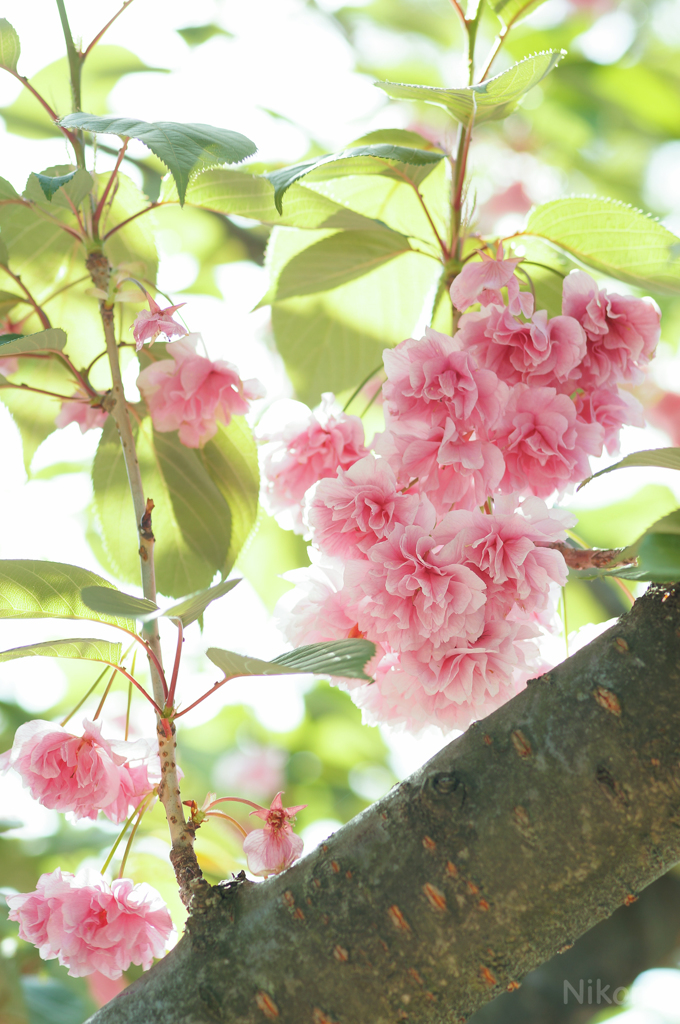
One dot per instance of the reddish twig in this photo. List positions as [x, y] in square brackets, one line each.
[591, 558]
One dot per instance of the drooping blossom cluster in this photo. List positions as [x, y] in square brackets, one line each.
[438, 545]
[82, 774]
[90, 925]
[191, 393]
[83, 410]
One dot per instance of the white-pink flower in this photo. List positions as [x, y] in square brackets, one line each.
[622, 330]
[413, 593]
[310, 448]
[544, 444]
[154, 322]
[348, 514]
[275, 847]
[612, 409]
[90, 925]
[482, 282]
[191, 394]
[665, 414]
[83, 410]
[84, 774]
[540, 351]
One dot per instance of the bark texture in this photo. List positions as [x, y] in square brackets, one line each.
[502, 850]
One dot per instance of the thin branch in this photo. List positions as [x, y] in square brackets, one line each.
[75, 68]
[459, 11]
[207, 693]
[44, 319]
[40, 391]
[43, 103]
[442, 244]
[107, 26]
[112, 179]
[151, 206]
[175, 667]
[591, 558]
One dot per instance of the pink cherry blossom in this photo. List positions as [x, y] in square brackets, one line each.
[318, 608]
[83, 774]
[431, 379]
[275, 847]
[254, 771]
[8, 366]
[544, 444]
[482, 282]
[414, 594]
[86, 412]
[308, 449]
[348, 514]
[91, 925]
[541, 351]
[665, 414]
[156, 323]
[191, 394]
[622, 330]
[611, 408]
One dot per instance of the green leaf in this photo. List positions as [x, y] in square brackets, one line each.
[194, 35]
[84, 650]
[33, 413]
[33, 589]
[51, 340]
[50, 185]
[665, 458]
[76, 184]
[191, 521]
[511, 12]
[337, 658]
[183, 148]
[283, 179]
[334, 261]
[193, 606]
[10, 47]
[104, 67]
[491, 100]
[332, 340]
[611, 237]
[252, 196]
[7, 190]
[230, 459]
[115, 602]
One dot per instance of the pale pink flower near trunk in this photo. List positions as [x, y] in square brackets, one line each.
[275, 847]
[90, 925]
[191, 394]
[83, 774]
[311, 448]
[82, 412]
[156, 323]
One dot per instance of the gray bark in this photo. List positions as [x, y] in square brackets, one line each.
[502, 850]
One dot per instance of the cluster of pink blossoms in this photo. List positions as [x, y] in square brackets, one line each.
[91, 925]
[436, 547]
[82, 774]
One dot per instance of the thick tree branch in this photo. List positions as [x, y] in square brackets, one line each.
[503, 849]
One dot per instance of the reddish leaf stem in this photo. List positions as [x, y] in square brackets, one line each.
[114, 174]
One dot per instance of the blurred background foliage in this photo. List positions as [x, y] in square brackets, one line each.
[607, 123]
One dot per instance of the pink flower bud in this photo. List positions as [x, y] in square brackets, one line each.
[82, 412]
[275, 847]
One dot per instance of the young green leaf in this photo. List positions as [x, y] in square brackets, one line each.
[193, 606]
[336, 658]
[612, 238]
[10, 47]
[230, 459]
[183, 148]
[491, 100]
[7, 190]
[192, 520]
[86, 650]
[334, 261]
[510, 12]
[194, 35]
[114, 602]
[387, 152]
[665, 458]
[33, 589]
[69, 187]
[51, 340]
[252, 196]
